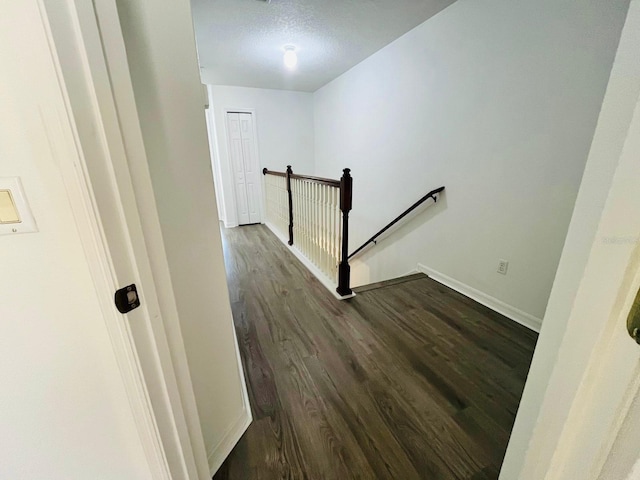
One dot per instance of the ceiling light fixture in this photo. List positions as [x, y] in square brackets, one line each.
[290, 57]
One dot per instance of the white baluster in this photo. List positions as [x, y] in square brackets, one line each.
[300, 240]
[279, 203]
[283, 193]
[321, 222]
[303, 214]
[310, 214]
[313, 222]
[316, 213]
[285, 208]
[314, 225]
[306, 217]
[325, 239]
[327, 229]
[331, 231]
[338, 223]
[310, 219]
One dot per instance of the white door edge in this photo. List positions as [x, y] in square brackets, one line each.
[167, 459]
[74, 171]
[595, 374]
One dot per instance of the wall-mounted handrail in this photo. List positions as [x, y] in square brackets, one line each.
[432, 194]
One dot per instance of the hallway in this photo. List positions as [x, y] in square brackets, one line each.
[408, 381]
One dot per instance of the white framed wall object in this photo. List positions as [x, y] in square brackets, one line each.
[15, 213]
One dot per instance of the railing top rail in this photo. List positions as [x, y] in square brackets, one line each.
[431, 194]
[266, 171]
[325, 181]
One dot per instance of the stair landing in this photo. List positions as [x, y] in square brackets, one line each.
[405, 381]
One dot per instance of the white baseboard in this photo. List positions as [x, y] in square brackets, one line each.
[315, 271]
[275, 231]
[509, 311]
[218, 454]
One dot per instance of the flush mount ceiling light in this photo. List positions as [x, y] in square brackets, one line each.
[290, 57]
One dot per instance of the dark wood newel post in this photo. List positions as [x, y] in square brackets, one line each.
[289, 173]
[344, 270]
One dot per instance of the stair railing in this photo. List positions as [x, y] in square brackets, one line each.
[312, 213]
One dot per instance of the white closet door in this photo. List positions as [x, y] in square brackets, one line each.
[237, 163]
[246, 171]
[251, 167]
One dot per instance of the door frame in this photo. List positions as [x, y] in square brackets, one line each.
[604, 355]
[254, 119]
[611, 358]
[596, 372]
[163, 405]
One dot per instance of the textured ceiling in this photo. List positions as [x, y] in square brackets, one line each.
[240, 42]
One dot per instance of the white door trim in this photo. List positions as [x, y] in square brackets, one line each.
[610, 380]
[66, 146]
[254, 119]
[577, 407]
[154, 393]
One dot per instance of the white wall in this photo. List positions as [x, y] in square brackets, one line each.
[162, 58]
[284, 127]
[64, 411]
[495, 99]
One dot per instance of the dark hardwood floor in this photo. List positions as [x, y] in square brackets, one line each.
[406, 381]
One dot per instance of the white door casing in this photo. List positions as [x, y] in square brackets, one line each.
[101, 110]
[110, 267]
[212, 435]
[245, 166]
[612, 377]
[34, 103]
[596, 375]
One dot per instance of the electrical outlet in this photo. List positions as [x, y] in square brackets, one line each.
[503, 265]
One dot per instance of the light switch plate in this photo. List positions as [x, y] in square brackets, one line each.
[8, 209]
[25, 222]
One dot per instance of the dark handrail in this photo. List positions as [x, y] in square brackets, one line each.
[325, 181]
[266, 171]
[432, 194]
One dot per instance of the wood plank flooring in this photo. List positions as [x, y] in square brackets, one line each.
[407, 381]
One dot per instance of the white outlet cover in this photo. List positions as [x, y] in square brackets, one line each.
[26, 223]
[503, 266]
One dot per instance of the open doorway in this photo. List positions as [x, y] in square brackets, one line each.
[389, 155]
